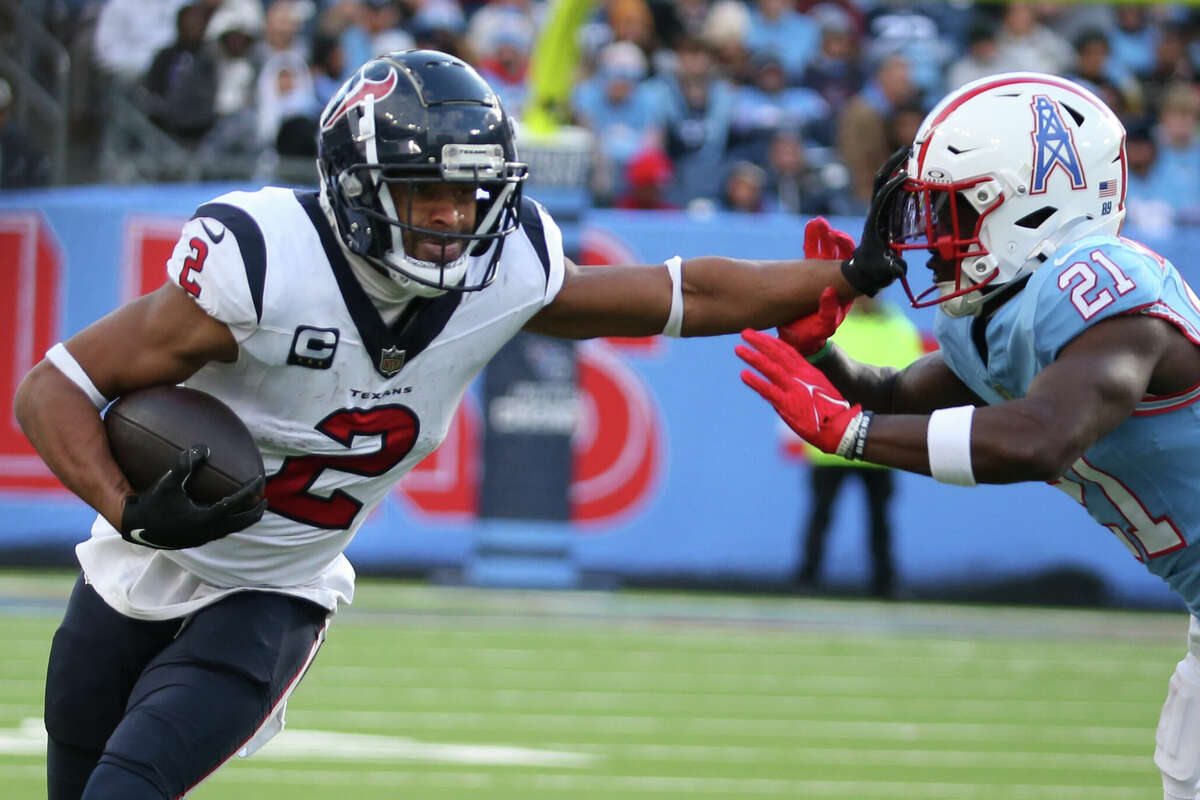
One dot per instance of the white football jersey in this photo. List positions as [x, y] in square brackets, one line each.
[341, 405]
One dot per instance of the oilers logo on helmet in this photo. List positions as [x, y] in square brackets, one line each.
[1053, 147]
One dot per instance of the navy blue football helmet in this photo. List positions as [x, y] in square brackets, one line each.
[413, 117]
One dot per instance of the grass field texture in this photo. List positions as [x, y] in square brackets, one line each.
[432, 692]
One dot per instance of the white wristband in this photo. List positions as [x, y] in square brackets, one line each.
[948, 439]
[61, 357]
[674, 326]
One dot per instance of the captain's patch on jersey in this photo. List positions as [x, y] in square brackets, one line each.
[313, 347]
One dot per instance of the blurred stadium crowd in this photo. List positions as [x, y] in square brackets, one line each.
[748, 105]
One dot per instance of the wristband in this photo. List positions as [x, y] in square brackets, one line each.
[61, 358]
[820, 354]
[948, 439]
[674, 326]
[854, 438]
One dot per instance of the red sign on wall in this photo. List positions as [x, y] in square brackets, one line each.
[30, 313]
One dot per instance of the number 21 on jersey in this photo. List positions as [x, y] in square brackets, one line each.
[1081, 279]
[1157, 537]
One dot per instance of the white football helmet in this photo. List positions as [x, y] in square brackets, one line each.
[1000, 173]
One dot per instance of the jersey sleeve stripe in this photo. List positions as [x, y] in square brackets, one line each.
[249, 241]
[531, 223]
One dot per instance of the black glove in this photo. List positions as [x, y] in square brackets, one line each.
[874, 264]
[165, 518]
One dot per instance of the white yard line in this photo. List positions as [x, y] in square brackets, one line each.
[793, 728]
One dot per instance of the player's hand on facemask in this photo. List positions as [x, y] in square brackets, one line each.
[874, 264]
[803, 396]
[165, 518]
[808, 334]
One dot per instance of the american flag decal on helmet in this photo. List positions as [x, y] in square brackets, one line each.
[1108, 188]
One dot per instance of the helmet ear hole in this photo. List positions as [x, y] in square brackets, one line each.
[1034, 219]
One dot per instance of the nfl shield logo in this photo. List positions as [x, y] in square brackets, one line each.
[391, 360]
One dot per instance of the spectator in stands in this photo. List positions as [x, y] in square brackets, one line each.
[621, 110]
[725, 31]
[327, 63]
[796, 186]
[368, 28]
[1179, 151]
[769, 104]
[691, 16]
[285, 85]
[129, 33]
[982, 57]
[776, 27]
[22, 165]
[743, 187]
[439, 25]
[834, 72]
[631, 21]
[697, 104]
[1170, 65]
[862, 136]
[1147, 203]
[1026, 44]
[502, 53]
[1095, 70]
[234, 29]
[281, 29]
[913, 32]
[181, 84]
[1133, 39]
[506, 19]
[647, 176]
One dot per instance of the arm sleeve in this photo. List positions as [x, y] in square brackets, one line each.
[208, 264]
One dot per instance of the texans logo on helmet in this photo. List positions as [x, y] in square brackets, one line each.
[365, 88]
[1053, 146]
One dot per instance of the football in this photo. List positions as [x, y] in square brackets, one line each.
[147, 429]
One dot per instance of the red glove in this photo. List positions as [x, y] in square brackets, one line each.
[808, 334]
[803, 396]
[822, 241]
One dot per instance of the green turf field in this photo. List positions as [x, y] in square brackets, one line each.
[426, 692]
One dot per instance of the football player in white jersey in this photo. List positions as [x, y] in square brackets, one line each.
[1068, 354]
[343, 327]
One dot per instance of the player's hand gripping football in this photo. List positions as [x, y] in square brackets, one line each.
[874, 264]
[809, 334]
[165, 518]
[803, 396]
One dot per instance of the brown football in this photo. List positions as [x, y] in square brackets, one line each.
[148, 428]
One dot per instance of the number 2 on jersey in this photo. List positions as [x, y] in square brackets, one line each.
[288, 490]
[1081, 278]
[193, 263]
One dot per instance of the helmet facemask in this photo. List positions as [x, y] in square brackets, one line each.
[945, 219]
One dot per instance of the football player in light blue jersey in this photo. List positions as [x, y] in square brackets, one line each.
[1068, 354]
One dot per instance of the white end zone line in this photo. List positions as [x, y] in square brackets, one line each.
[29, 738]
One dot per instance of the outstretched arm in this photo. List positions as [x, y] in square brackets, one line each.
[720, 295]
[1091, 387]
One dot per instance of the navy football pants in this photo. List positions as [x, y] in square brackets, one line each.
[146, 710]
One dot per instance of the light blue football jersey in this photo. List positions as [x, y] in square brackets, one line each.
[1140, 480]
